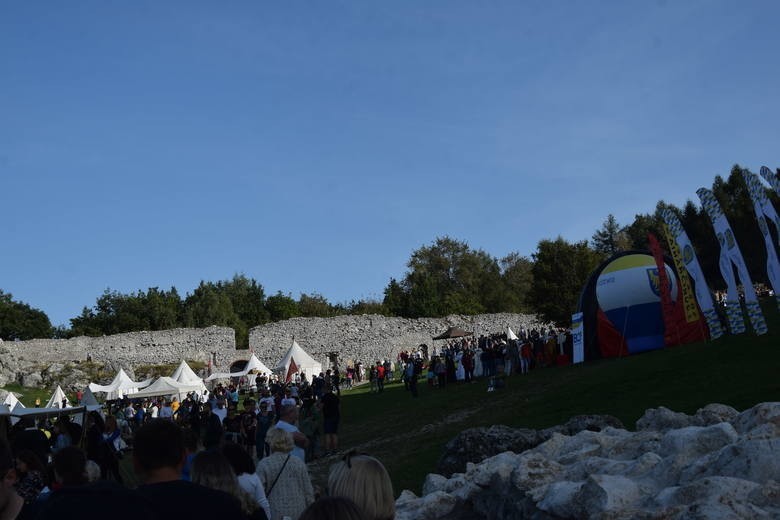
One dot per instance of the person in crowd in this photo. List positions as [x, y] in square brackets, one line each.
[287, 422]
[166, 412]
[249, 425]
[310, 424]
[158, 457]
[284, 477]
[245, 470]
[31, 476]
[31, 438]
[410, 377]
[365, 481]
[97, 449]
[11, 503]
[114, 443]
[264, 422]
[333, 508]
[331, 415]
[62, 437]
[211, 469]
[213, 428]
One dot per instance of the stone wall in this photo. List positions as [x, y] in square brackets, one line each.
[47, 362]
[129, 350]
[369, 338]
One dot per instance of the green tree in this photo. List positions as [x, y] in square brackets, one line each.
[281, 307]
[20, 321]
[396, 301]
[248, 299]
[315, 305]
[448, 277]
[609, 239]
[517, 276]
[560, 271]
[208, 306]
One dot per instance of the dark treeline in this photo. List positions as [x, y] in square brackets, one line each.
[446, 277]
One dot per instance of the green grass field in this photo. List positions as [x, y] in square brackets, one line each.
[408, 434]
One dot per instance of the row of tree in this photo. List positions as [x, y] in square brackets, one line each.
[446, 277]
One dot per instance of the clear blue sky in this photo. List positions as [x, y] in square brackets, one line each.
[314, 145]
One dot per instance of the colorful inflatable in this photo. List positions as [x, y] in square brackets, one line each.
[622, 309]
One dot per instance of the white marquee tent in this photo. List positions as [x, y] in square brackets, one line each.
[184, 374]
[253, 364]
[510, 334]
[120, 386]
[167, 386]
[55, 401]
[11, 401]
[303, 362]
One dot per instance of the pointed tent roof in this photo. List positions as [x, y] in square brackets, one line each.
[301, 357]
[453, 332]
[11, 401]
[89, 400]
[510, 334]
[56, 399]
[255, 364]
[184, 374]
[120, 385]
[169, 386]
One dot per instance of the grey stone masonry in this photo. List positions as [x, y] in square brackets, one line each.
[369, 338]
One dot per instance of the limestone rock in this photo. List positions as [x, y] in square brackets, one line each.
[663, 419]
[715, 413]
[477, 444]
[32, 379]
[764, 413]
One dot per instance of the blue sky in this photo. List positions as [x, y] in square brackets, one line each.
[314, 145]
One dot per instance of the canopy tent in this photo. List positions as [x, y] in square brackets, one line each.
[253, 364]
[89, 400]
[121, 385]
[510, 334]
[11, 401]
[168, 386]
[297, 360]
[57, 398]
[20, 412]
[184, 374]
[453, 332]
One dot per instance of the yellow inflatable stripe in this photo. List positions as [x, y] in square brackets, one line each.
[629, 261]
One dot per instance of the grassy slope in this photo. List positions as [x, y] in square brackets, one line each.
[408, 435]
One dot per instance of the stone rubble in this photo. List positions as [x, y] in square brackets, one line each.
[718, 463]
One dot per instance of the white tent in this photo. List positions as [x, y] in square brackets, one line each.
[88, 400]
[303, 362]
[121, 385]
[184, 374]
[11, 401]
[168, 386]
[253, 364]
[56, 399]
[510, 334]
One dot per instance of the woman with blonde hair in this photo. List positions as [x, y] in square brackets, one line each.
[284, 477]
[364, 480]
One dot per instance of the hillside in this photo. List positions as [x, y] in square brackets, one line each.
[408, 435]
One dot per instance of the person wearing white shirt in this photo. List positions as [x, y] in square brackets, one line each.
[287, 420]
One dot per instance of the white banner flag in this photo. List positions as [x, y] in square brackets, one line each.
[578, 338]
[691, 262]
[730, 254]
[764, 210]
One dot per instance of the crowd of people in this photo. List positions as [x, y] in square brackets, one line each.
[202, 456]
[210, 453]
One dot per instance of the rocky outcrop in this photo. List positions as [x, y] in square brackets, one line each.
[477, 444]
[717, 463]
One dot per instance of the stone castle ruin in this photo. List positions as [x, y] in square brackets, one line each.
[366, 338]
